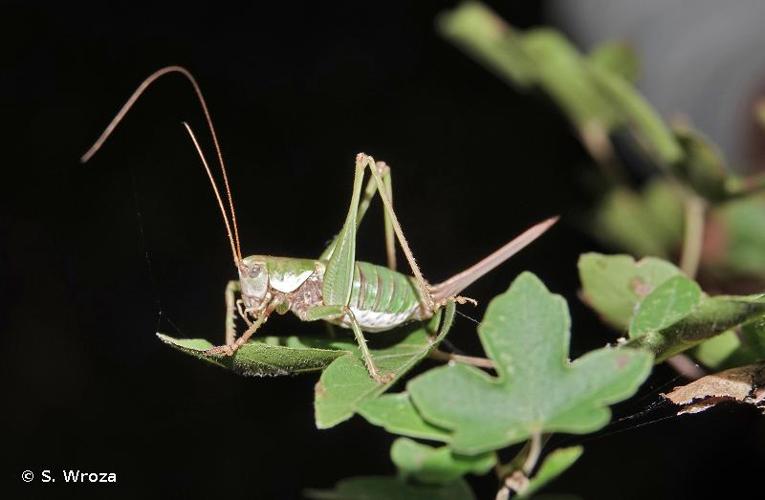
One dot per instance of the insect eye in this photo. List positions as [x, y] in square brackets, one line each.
[255, 272]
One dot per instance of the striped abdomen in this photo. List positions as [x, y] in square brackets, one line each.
[381, 299]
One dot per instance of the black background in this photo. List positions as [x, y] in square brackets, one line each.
[91, 254]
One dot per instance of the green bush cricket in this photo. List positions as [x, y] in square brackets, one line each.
[335, 287]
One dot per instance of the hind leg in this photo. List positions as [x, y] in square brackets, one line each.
[395, 229]
[369, 192]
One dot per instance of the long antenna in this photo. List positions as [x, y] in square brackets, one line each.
[237, 257]
[129, 104]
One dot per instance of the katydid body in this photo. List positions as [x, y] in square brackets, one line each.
[334, 287]
[381, 299]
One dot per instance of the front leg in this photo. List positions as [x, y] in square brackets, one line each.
[231, 347]
[232, 289]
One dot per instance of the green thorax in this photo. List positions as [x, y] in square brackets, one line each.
[285, 274]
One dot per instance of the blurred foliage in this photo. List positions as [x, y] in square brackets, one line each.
[595, 92]
[655, 215]
[663, 311]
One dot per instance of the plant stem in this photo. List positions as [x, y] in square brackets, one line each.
[459, 358]
[504, 470]
[526, 459]
[746, 186]
[513, 475]
[535, 449]
[694, 234]
[693, 242]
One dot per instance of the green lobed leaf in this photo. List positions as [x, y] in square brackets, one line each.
[555, 464]
[268, 356]
[670, 302]
[396, 414]
[526, 332]
[436, 465]
[391, 488]
[613, 285]
[345, 384]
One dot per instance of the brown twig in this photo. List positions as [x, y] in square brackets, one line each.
[515, 474]
[686, 367]
[459, 358]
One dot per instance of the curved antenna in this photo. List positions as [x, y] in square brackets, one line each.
[129, 104]
[237, 257]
